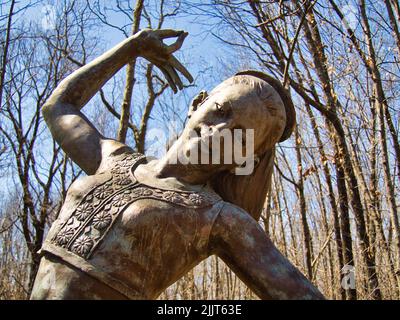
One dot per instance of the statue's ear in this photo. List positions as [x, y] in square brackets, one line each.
[196, 102]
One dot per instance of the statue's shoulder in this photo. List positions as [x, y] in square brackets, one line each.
[118, 155]
[234, 212]
[230, 220]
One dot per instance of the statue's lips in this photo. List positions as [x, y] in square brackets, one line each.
[203, 146]
[205, 149]
[205, 142]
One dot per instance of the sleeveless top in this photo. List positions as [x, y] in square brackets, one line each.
[130, 252]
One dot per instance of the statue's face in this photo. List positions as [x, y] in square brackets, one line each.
[238, 106]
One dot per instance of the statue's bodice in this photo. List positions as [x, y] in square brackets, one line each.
[135, 238]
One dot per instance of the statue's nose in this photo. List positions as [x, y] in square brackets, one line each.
[223, 125]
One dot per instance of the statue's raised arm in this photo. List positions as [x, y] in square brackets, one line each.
[70, 128]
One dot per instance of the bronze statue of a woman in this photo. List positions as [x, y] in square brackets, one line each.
[132, 226]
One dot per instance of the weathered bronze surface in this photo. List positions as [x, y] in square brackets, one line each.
[132, 227]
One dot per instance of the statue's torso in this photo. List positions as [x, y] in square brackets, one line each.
[135, 238]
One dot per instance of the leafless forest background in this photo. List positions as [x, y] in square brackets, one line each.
[335, 192]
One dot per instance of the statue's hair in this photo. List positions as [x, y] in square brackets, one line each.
[283, 93]
[253, 82]
[249, 192]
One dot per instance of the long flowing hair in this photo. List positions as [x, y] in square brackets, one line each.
[248, 192]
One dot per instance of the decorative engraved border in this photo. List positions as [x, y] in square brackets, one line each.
[96, 213]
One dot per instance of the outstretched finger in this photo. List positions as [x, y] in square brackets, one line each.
[179, 66]
[169, 79]
[168, 33]
[177, 44]
[171, 71]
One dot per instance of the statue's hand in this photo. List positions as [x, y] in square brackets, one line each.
[152, 48]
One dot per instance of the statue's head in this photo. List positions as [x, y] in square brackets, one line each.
[251, 103]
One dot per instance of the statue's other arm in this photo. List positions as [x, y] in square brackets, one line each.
[70, 128]
[240, 241]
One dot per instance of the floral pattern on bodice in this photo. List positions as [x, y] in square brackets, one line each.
[94, 216]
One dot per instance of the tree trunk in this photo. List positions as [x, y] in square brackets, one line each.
[308, 248]
[317, 49]
[393, 24]
[7, 41]
[332, 199]
[130, 79]
[382, 110]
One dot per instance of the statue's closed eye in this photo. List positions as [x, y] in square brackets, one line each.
[220, 108]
